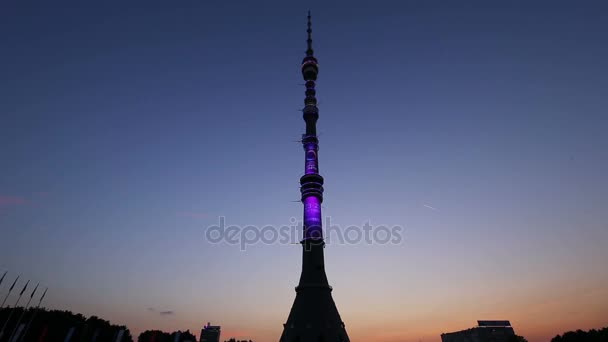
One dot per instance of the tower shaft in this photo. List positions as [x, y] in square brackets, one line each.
[314, 316]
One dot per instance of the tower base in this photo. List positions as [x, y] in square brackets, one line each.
[314, 317]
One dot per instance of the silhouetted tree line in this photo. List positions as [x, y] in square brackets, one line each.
[583, 336]
[53, 325]
[161, 336]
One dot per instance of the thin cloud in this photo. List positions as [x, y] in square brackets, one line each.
[12, 200]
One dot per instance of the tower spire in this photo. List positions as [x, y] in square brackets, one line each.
[309, 51]
[314, 316]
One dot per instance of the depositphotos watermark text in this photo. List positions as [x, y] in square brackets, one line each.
[244, 236]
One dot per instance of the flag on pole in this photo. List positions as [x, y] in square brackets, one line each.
[94, 338]
[43, 294]
[68, 337]
[35, 288]
[25, 287]
[120, 334]
[1, 279]
[18, 333]
[15, 282]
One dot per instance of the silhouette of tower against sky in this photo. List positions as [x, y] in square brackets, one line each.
[314, 316]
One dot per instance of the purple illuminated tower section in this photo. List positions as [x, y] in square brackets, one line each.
[314, 316]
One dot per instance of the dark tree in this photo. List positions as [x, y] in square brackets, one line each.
[55, 325]
[583, 336]
[161, 336]
[154, 335]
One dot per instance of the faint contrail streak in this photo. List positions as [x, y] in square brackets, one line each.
[428, 206]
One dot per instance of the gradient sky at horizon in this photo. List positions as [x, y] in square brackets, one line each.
[480, 127]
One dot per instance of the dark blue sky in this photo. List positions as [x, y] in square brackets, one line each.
[128, 127]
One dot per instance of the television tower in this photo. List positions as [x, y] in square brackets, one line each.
[314, 316]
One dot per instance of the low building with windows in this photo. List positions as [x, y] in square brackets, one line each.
[485, 331]
[210, 333]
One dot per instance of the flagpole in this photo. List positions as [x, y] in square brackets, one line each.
[9, 291]
[4, 301]
[23, 313]
[4, 275]
[27, 327]
[13, 310]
